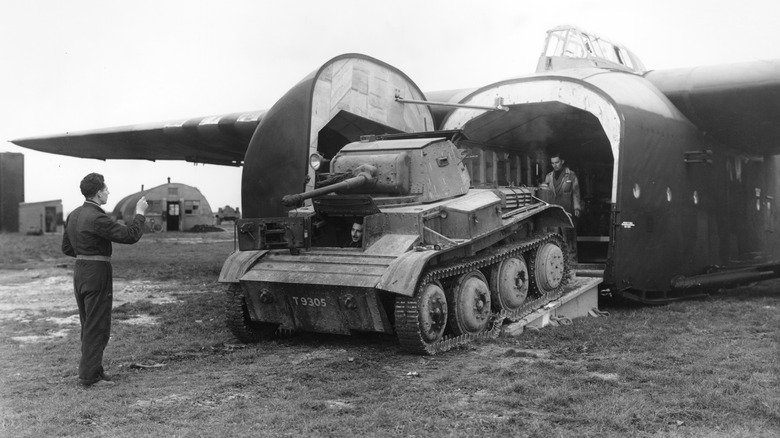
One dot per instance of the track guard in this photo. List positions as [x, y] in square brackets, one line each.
[237, 264]
[553, 216]
[402, 275]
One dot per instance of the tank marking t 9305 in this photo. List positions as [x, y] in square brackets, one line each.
[309, 301]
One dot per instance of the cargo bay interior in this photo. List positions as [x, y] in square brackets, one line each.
[514, 147]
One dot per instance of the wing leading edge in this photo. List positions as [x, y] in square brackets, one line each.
[221, 140]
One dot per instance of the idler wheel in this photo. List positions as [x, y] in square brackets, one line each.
[420, 320]
[509, 284]
[432, 312]
[549, 266]
[469, 304]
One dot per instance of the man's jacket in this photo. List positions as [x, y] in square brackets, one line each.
[566, 187]
[89, 231]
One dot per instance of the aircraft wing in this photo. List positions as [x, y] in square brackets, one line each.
[736, 104]
[213, 140]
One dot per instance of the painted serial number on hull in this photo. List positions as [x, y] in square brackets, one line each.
[308, 301]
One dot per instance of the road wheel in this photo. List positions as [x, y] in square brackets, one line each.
[469, 304]
[238, 320]
[509, 284]
[549, 265]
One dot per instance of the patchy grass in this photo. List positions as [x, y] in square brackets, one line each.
[18, 249]
[698, 368]
[165, 256]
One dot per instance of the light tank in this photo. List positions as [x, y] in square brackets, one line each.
[439, 264]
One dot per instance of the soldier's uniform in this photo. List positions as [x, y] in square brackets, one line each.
[88, 236]
[566, 193]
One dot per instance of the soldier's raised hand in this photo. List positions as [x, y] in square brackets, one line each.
[141, 206]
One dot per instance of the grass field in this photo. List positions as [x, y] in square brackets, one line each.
[698, 368]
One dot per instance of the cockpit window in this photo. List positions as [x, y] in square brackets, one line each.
[571, 42]
[556, 43]
[588, 44]
[574, 48]
[567, 43]
[609, 52]
[624, 58]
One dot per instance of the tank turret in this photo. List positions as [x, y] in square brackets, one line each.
[420, 170]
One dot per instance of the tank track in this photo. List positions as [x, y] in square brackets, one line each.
[238, 322]
[406, 311]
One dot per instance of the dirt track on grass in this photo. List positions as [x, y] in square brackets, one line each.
[35, 293]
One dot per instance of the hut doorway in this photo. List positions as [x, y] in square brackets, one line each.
[50, 214]
[172, 221]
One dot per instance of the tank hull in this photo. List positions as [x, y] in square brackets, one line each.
[343, 291]
[325, 290]
[317, 308]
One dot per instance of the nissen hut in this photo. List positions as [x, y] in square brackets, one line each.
[172, 207]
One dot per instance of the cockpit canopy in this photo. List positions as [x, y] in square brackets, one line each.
[571, 47]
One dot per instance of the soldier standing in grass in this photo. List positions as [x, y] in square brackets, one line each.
[88, 236]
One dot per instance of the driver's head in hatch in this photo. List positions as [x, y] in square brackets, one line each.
[357, 234]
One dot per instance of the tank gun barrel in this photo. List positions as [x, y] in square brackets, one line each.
[363, 175]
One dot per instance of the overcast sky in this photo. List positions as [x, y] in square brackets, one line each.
[78, 65]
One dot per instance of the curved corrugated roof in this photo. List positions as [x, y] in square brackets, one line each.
[126, 206]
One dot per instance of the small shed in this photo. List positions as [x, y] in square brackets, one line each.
[41, 217]
[11, 190]
[172, 207]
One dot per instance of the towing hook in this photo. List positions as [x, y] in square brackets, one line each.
[266, 297]
[349, 302]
